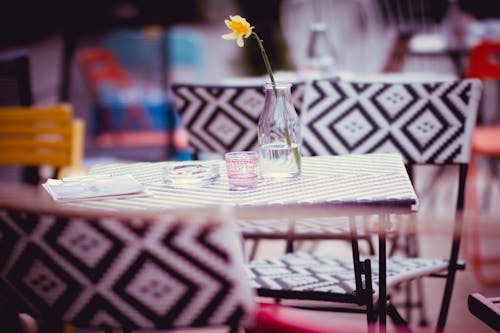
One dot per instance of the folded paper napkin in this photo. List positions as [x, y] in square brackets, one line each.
[94, 187]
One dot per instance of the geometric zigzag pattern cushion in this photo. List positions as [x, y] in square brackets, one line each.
[307, 272]
[427, 123]
[162, 274]
[222, 118]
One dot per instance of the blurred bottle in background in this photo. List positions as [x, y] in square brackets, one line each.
[453, 26]
[320, 61]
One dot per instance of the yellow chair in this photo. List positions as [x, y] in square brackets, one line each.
[42, 135]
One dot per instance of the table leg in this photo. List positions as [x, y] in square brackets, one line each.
[382, 301]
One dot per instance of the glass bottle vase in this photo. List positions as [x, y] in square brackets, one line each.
[279, 133]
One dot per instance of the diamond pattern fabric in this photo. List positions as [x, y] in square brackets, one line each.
[127, 273]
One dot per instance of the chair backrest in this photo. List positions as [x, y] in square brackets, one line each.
[41, 135]
[15, 82]
[427, 123]
[222, 118]
[96, 269]
[484, 60]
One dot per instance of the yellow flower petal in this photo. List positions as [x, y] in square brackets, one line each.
[229, 36]
[237, 18]
[240, 42]
[240, 29]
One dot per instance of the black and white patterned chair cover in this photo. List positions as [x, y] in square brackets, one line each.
[223, 118]
[126, 273]
[427, 122]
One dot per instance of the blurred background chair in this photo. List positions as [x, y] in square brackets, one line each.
[44, 135]
[126, 76]
[15, 80]
[487, 309]
[484, 63]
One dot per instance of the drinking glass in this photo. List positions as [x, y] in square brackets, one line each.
[242, 169]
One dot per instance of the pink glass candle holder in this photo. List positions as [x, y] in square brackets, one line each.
[242, 169]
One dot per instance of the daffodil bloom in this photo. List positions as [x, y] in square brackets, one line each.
[240, 27]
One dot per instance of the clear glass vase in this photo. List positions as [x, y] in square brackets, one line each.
[279, 133]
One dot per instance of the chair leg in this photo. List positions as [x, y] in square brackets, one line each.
[370, 311]
[290, 239]
[234, 329]
[51, 327]
[408, 302]
[253, 250]
[31, 175]
[413, 251]
[399, 322]
[371, 247]
[450, 279]
[9, 317]
[424, 321]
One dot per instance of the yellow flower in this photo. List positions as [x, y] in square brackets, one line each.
[240, 27]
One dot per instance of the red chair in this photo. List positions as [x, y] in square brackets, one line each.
[484, 63]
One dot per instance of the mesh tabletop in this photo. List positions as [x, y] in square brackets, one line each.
[349, 179]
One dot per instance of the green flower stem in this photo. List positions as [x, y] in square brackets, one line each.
[264, 56]
[271, 76]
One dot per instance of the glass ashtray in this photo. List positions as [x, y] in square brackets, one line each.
[190, 175]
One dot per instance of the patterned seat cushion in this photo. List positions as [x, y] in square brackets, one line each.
[306, 272]
[166, 273]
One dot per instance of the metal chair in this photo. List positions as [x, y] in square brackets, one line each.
[427, 123]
